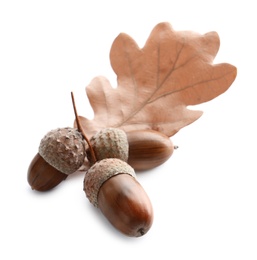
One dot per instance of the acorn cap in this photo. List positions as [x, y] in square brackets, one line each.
[63, 148]
[100, 172]
[109, 143]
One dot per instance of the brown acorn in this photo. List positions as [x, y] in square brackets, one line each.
[142, 149]
[111, 185]
[61, 152]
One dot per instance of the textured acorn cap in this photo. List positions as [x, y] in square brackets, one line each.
[109, 143]
[100, 172]
[64, 149]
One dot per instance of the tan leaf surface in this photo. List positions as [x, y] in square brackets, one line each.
[156, 83]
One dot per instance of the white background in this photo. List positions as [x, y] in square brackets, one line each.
[204, 196]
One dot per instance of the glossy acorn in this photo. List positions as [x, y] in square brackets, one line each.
[61, 152]
[111, 185]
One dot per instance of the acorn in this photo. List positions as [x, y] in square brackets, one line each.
[61, 152]
[148, 149]
[108, 143]
[111, 185]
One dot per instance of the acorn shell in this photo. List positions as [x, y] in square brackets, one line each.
[148, 149]
[126, 205]
[64, 149]
[100, 172]
[42, 176]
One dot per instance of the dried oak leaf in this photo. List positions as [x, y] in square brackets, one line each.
[156, 83]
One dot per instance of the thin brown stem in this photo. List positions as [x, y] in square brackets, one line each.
[80, 129]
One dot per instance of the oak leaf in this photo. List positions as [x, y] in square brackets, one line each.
[158, 82]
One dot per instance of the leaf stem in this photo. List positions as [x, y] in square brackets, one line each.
[80, 129]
